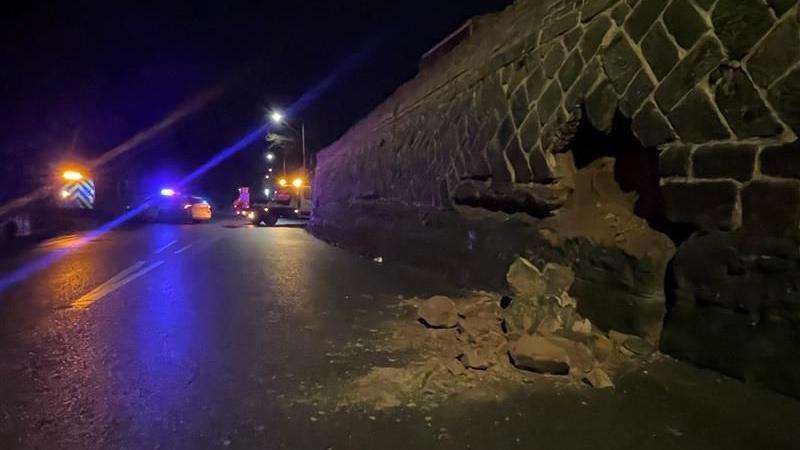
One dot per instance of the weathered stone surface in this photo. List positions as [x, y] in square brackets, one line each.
[520, 106]
[549, 101]
[781, 160]
[552, 62]
[515, 156]
[571, 69]
[785, 98]
[525, 279]
[621, 62]
[595, 32]
[724, 161]
[742, 106]
[771, 207]
[438, 312]
[684, 22]
[642, 17]
[594, 7]
[637, 92]
[591, 73]
[601, 105]
[776, 54]
[540, 166]
[651, 127]
[497, 162]
[535, 83]
[529, 132]
[705, 4]
[659, 51]
[560, 26]
[737, 294]
[698, 63]
[707, 204]
[571, 39]
[620, 13]
[781, 6]
[674, 161]
[739, 24]
[696, 120]
[476, 358]
[540, 354]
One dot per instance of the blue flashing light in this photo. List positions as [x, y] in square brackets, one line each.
[167, 192]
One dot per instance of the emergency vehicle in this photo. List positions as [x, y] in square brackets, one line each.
[289, 200]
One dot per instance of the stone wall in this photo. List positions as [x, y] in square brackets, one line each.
[475, 161]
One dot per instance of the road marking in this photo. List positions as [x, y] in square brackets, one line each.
[183, 249]
[166, 247]
[117, 281]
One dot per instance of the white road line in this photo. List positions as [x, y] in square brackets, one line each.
[183, 249]
[166, 247]
[116, 282]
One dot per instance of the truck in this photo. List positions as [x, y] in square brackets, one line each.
[289, 200]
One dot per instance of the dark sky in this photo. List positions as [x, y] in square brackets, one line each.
[77, 77]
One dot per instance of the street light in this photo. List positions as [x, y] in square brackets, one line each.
[278, 118]
[73, 175]
[270, 156]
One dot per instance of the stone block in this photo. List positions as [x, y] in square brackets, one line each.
[550, 100]
[674, 161]
[781, 160]
[771, 207]
[594, 7]
[740, 24]
[781, 6]
[735, 161]
[520, 105]
[595, 32]
[642, 17]
[620, 62]
[735, 307]
[651, 127]
[505, 131]
[535, 83]
[695, 119]
[491, 96]
[540, 166]
[559, 26]
[529, 131]
[742, 106]
[552, 62]
[639, 89]
[708, 205]
[659, 51]
[572, 38]
[784, 96]
[497, 163]
[571, 69]
[684, 22]
[577, 93]
[776, 54]
[705, 4]
[518, 161]
[601, 105]
[704, 58]
[620, 13]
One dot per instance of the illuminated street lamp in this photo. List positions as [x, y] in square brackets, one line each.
[278, 118]
[270, 156]
[72, 175]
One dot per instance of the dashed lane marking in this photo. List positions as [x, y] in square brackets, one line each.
[117, 281]
[183, 249]
[166, 247]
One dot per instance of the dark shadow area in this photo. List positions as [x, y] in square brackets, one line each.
[635, 169]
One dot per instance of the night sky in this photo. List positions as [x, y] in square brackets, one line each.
[78, 78]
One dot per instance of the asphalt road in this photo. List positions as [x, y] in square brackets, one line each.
[203, 336]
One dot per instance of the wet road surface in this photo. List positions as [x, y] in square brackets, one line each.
[206, 336]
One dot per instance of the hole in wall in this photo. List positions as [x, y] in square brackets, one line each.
[635, 170]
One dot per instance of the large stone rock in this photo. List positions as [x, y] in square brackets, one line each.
[438, 312]
[525, 279]
[735, 161]
[735, 307]
[785, 97]
[742, 106]
[776, 54]
[540, 354]
[642, 17]
[781, 160]
[659, 51]
[684, 22]
[621, 62]
[696, 119]
[709, 204]
[699, 62]
[740, 24]
[771, 207]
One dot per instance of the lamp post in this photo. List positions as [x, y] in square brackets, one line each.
[278, 118]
